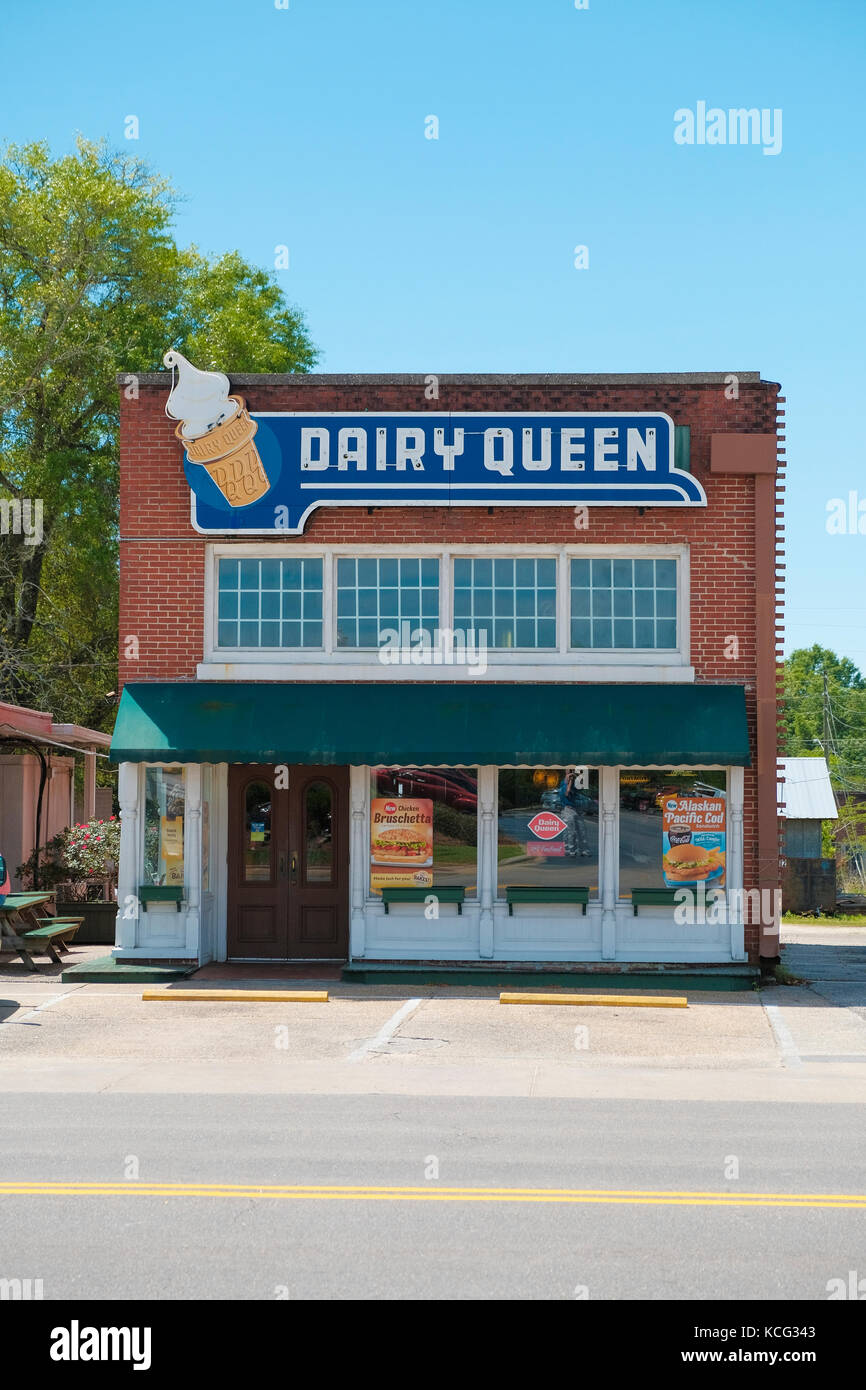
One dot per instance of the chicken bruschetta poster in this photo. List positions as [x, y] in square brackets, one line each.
[401, 843]
[693, 840]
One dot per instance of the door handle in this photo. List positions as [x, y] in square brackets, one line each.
[282, 866]
[294, 866]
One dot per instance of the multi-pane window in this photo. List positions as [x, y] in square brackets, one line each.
[512, 602]
[376, 596]
[270, 603]
[629, 604]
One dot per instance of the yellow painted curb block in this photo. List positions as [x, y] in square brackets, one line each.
[239, 996]
[627, 1001]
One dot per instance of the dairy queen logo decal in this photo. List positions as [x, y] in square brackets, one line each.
[546, 826]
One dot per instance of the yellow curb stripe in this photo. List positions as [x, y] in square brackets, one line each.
[238, 996]
[433, 1194]
[628, 1001]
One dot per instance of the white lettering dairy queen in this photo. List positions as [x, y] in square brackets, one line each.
[507, 452]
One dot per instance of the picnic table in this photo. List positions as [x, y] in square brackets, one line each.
[22, 929]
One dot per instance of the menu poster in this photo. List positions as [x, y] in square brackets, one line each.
[171, 848]
[401, 843]
[693, 841]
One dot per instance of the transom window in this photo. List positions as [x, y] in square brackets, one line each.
[376, 596]
[624, 603]
[562, 608]
[511, 602]
[270, 603]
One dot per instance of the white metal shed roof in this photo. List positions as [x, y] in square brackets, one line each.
[807, 793]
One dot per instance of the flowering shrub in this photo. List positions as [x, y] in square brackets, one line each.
[85, 847]
[78, 854]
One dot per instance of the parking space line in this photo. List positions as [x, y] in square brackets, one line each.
[784, 1037]
[386, 1032]
[55, 999]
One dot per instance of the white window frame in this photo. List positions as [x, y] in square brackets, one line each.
[512, 664]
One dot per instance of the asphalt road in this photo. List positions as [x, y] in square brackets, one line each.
[359, 1246]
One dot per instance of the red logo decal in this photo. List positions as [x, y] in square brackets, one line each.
[546, 825]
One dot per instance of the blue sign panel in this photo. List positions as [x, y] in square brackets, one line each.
[275, 469]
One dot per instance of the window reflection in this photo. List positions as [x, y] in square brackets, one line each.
[548, 827]
[319, 855]
[257, 833]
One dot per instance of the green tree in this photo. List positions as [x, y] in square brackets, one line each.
[804, 707]
[92, 283]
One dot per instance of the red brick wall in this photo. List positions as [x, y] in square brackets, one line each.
[162, 557]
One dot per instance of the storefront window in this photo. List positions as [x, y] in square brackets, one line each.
[270, 603]
[548, 828]
[624, 604]
[376, 596]
[672, 829]
[163, 826]
[423, 828]
[512, 602]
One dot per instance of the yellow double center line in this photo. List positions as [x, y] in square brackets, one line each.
[434, 1193]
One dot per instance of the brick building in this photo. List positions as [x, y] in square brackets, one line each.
[458, 669]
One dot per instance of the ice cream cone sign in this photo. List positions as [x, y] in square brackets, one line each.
[216, 430]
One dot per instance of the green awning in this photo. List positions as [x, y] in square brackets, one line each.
[416, 723]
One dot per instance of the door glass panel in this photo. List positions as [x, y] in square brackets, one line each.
[319, 846]
[257, 833]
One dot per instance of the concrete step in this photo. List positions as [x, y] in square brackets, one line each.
[106, 970]
[585, 975]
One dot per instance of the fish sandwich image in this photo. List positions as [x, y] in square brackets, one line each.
[690, 862]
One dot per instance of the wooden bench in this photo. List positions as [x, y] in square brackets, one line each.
[70, 926]
[524, 894]
[449, 894]
[653, 897]
[39, 943]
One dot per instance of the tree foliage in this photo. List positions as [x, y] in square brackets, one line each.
[804, 712]
[92, 283]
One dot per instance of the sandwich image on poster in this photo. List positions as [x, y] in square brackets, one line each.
[401, 842]
[401, 832]
[693, 840]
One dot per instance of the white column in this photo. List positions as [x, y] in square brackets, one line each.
[128, 904]
[608, 782]
[487, 857]
[734, 862]
[192, 855]
[359, 861]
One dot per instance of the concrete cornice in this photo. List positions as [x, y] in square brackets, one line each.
[326, 379]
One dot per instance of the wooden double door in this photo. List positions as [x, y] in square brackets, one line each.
[288, 862]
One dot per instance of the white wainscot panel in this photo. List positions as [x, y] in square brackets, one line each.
[404, 933]
[654, 935]
[162, 926]
[541, 931]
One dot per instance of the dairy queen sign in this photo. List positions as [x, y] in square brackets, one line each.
[266, 472]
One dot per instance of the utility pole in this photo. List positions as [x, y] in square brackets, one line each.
[826, 713]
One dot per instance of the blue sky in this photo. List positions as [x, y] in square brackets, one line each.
[306, 127]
